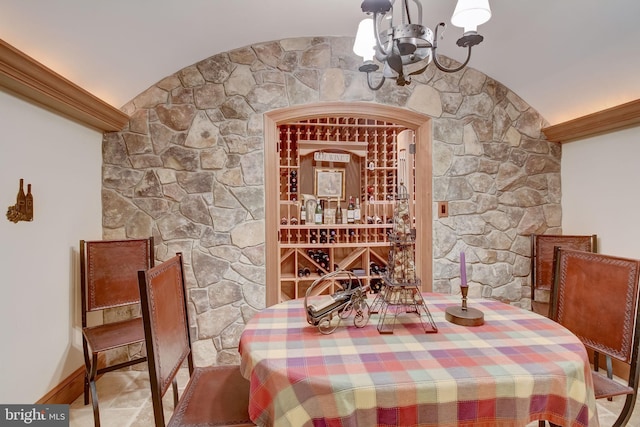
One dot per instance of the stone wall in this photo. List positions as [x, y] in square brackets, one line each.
[188, 169]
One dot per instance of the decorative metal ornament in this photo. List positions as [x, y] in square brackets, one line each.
[352, 298]
[23, 209]
[400, 291]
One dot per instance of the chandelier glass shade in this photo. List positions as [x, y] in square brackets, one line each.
[407, 47]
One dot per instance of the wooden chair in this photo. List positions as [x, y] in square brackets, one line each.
[596, 297]
[215, 395]
[108, 279]
[542, 246]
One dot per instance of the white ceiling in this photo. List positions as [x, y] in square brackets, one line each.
[566, 58]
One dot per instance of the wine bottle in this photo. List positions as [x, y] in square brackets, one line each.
[21, 201]
[29, 203]
[303, 214]
[319, 213]
[338, 213]
[350, 211]
[357, 216]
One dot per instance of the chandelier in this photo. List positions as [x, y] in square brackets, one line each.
[406, 48]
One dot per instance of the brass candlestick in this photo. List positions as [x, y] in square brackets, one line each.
[463, 315]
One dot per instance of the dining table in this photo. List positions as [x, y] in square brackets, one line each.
[515, 368]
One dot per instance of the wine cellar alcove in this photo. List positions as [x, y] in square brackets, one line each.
[370, 149]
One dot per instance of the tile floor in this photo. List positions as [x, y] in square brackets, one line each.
[125, 401]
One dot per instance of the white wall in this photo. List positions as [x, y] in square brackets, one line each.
[601, 190]
[39, 296]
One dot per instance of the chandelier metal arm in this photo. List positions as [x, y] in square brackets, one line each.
[435, 55]
[406, 15]
[383, 51]
[376, 87]
[451, 70]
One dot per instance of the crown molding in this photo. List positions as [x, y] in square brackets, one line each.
[26, 77]
[612, 119]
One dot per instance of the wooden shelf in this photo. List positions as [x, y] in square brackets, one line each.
[372, 177]
[333, 245]
[383, 128]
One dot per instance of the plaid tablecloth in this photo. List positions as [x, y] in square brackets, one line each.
[516, 368]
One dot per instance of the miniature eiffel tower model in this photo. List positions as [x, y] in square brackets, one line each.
[401, 290]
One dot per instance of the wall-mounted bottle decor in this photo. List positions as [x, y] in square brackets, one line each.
[23, 209]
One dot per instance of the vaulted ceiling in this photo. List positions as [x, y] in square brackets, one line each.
[566, 58]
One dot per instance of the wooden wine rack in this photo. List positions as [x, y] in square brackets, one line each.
[377, 166]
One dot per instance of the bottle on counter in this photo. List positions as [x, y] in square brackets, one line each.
[319, 213]
[357, 215]
[339, 213]
[350, 211]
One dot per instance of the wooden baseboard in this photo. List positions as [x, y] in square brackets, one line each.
[71, 387]
[67, 391]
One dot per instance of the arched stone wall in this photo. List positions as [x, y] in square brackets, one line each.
[189, 170]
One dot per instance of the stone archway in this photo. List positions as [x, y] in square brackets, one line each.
[189, 170]
[419, 123]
